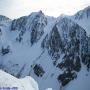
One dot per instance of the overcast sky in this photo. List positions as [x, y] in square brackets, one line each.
[17, 8]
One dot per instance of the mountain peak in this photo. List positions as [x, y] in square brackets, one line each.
[2, 18]
[83, 13]
[51, 50]
[37, 13]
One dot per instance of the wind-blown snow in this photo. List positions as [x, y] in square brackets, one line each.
[27, 83]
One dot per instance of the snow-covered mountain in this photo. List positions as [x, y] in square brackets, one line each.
[83, 19]
[54, 51]
[4, 18]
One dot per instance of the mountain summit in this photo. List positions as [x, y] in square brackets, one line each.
[54, 51]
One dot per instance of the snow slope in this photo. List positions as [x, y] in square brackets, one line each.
[24, 54]
[83, 19]
[27, 83]
[82, 82]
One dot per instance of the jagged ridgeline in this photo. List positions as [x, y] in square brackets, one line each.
[69, 39]
[34, 23]
[51, 50]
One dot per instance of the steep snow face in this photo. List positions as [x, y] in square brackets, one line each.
[66, 44]
[32, 25]
[51, 50]
[83, 19]
[64, 34]
[8, 81]
[83, 13]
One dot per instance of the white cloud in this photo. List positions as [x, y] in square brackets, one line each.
[49, 7]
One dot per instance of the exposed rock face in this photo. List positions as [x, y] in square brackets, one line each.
[3, 18]
[63, 44]
[34, 23]
[83, 13]
[53, 43]
[69, 39]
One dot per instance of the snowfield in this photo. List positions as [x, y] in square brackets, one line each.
[27, 83]
[57, 46]
[82, 82]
